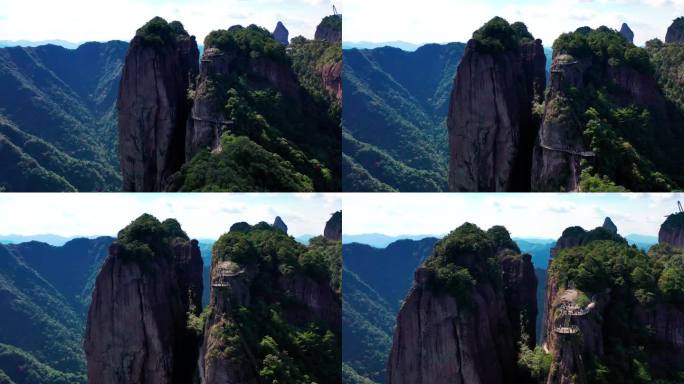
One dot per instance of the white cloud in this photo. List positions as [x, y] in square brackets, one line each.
[201, 215]
[525, 215]
[100, 20]
[442, 21]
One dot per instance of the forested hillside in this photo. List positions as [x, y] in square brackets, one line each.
[45, 294]
[58, 117]
[394, 118]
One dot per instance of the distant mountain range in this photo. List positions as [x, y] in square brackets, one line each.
[403, 45]
[58, 117]
[54, 240]
[378, 240]
[29, 43]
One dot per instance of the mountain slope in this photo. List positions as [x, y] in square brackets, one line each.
[372, 295]
[44, 293]
[394, 129]
[58, 117]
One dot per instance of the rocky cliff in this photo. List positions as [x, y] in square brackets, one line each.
[281, 34]
[330, 29]
[672, 231]
[208, 120]
[241, 120]
[675, 33]
[331, 74]
[161, 61]
[333, 228]
[520, 293]
[596, 312]
[627, 33]
[560, 146]
[262, 302]
[136, 327]
[454, 327]
[491, 126]
[580, 146]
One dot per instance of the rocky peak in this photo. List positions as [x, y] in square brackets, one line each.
[330, 29]
[609, 225]
[454, 327]
[577, 236]
[136, 326]
[333, 227]
[491, 147]
[281, 34]
[627, 33]
[208, 121]
[581, 307]
[242, 278]
[675, 33]
[280, 224]
[153, 106]
[672, 231]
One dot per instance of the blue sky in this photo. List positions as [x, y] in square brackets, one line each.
[441, 21]
[203, 215]
[102, 20]
[525, 215]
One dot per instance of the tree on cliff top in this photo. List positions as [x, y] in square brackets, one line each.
[467, 257]
[497, 35]
[251, 42]
[146, 238]
[333, 22]
[159, 32]
[276, 253]
[606, 46]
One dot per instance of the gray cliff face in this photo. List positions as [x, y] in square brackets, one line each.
[438, 341]
[281, 34]
[520, 294]
[318, 299]
[627, 33]
[491, 127]
[331, 75]
[333, 227]
[153, 108]
[672, 232]
[207, 120]
[136, 327]
[667, 323]
[675, 33]
[560, 147]
[214, 367]
[672, 236]
[325, 32]
[568, 365]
